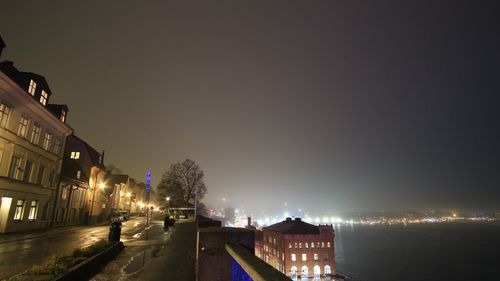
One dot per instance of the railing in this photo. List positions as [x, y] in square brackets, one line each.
[246, 266]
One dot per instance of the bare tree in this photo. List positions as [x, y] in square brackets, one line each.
[181, 181]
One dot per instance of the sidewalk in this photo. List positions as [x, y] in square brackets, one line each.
[163, 256]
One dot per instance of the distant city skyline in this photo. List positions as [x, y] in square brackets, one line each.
[330, 107]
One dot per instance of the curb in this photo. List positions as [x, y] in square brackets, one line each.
[90, 267]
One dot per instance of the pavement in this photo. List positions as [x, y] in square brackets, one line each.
[161, 255]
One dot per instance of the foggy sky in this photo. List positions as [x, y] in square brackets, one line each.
[329, 106]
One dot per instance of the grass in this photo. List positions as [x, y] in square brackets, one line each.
[56, 264]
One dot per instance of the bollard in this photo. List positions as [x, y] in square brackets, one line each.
[115, 231]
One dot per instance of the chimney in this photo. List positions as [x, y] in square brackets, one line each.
[102, 158]
[2, 45]
[249, 221]
[288, 219]
[298, 219]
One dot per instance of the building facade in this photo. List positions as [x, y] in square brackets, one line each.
[83, 187]
[32, 138]
[299, 249]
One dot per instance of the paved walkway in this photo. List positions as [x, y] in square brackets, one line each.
[162, 256]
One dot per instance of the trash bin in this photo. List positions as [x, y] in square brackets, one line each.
[115, 230]
[165, 223]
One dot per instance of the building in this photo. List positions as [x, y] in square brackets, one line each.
[299, 249]
[32, 137]
[82, 186]
[128, 195]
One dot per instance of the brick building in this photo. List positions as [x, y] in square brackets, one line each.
[299, 249]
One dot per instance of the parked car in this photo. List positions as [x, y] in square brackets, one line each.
[117, 217]
[125, 215]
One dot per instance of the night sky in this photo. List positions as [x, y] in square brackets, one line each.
[329, 106]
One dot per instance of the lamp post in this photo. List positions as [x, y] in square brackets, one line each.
[93, 196]
[168, 206]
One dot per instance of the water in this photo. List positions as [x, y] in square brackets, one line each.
[451, 251]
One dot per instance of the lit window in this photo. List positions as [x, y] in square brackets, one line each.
[46, 141]
[43, 97]
[328, 270]
[32, 87]
[294, 257]
[300, 245]
[33, 210]
[4, 115]
[304, 257]
[75, 155]
[307, 245]
[15, 167]
[35, 134]
[296, 245]
[64, 193]
[23, 127]
[312, 244]
[327, 258]
[328, 244]
[317, 245]
[289, 245]
[18, 215]
[316, 257]
[78, 174]
[63, 116]
[322, 244]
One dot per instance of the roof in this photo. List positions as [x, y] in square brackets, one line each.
[296, 226]
[2, 43]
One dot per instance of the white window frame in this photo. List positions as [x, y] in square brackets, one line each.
[4, 115]
[32, 87]
[22, 131]
[33, 210]
[19, 211]
[35, 134]
[43, 97]
[304, 257]
[294, 257]
[75, 155]
[47, 140]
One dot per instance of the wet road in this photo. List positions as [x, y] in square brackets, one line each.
[17, 256]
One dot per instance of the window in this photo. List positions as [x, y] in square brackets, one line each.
[4, 115]
[33, 210]
[78, 174]
[307, 245]
[317, 271]
[14, 169]
[316, 257]
[75, 155]
[327, 258]
[294, 257]
[32, 87]
[57, 146]
[293, 271]
[27, 171]
[304, 257]
[23, 127]
[317, 245]
[35, 134]
[296, 245]
[327, 270]
[289, 245]
[322, 244]
[52, 176]
[328, 244]
[312, 244]
[46, 141]
[39, 177]
[304, 271]
[63, 116]
[18, 215]
[43, 97]
[300, 245]
[274, 241]
[64, 193]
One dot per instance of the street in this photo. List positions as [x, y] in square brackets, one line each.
[20, 255]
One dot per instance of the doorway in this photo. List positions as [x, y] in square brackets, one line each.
[4, 212]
